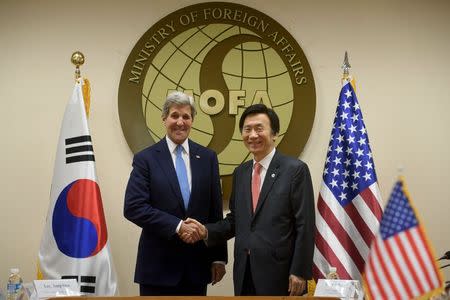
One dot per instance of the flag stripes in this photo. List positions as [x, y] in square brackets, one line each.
[395, 263]
[333, 255]
[342, 234]
[331, 258]
[370, 197]
[349, 233]
[399, 275]
[359, 224]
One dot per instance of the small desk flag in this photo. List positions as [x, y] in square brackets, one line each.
[401, 264]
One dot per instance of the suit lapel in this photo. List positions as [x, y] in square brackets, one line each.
[247, 175]
[272, 175]
[166, 162]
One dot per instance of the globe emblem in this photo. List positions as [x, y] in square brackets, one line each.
[247, 64]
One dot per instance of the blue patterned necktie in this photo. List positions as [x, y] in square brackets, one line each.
[180, 168]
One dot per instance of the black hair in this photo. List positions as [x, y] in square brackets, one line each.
[261, 109]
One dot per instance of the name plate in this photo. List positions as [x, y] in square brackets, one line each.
[56, 288]
[344, 289]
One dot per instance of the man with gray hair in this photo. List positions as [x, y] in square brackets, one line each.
[172, 180]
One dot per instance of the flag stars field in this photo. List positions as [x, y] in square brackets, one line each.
[342, 145]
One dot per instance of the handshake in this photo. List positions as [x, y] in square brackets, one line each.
[192, 231]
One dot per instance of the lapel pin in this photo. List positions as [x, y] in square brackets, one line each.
[197, 156]
[273, 175]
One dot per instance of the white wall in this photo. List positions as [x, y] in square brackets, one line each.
[399, 51]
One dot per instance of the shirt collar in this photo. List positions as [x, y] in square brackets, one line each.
[172, 145]
[265, 162]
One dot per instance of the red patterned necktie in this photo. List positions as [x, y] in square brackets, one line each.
[256, 183]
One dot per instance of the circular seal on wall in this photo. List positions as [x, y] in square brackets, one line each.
[227, 56]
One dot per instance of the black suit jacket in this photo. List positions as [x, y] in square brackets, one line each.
[153, 201]
[279, 237]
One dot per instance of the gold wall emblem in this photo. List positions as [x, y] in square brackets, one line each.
[228, 56]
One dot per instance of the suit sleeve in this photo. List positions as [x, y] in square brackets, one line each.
[223, 230]
[138, 208]
[302, 201]
[219, 251]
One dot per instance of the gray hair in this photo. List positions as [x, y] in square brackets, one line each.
[178, 98]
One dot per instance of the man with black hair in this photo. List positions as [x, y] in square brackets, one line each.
[271, 214]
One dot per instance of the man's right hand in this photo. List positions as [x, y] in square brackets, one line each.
[189, 233]
[192, 231]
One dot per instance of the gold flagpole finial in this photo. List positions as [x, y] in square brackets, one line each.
[77, 59]
[346, 67]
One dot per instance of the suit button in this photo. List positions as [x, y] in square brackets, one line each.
[247, 251]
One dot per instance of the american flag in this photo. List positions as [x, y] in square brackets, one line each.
[400, 263]
[348, 208]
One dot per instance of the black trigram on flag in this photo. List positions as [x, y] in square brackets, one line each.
[79, 148]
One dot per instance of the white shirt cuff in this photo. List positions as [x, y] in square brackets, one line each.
[178, 227]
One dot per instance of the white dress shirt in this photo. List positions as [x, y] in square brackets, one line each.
[265, 163]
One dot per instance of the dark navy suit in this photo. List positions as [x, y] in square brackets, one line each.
[153, 201]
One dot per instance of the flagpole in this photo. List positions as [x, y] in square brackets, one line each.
[346, 68]
[400, 170]
[78, 60]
